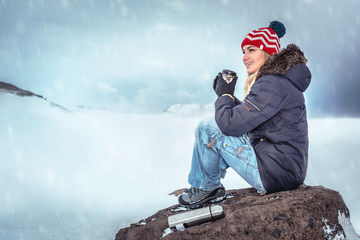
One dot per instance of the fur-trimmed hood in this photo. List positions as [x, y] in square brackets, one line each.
[290, 62]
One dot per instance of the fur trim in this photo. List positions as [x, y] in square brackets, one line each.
[281, 62]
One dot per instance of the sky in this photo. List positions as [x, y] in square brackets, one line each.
[144, 56]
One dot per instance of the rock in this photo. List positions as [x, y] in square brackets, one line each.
[177, 192]
[12, 89]
[18, 91]
[304, 213]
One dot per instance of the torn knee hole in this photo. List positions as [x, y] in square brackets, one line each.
[211, 143]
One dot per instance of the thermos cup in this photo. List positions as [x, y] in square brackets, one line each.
[228, 75]
[194, 217]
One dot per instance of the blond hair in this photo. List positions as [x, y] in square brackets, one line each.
[252, 77]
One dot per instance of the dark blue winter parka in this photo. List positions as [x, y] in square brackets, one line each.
[273, 115]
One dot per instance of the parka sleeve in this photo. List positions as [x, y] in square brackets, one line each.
[263, 102]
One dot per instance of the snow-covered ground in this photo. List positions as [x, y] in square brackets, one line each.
[86, 174]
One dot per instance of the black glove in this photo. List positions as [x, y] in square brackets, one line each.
[221, 87]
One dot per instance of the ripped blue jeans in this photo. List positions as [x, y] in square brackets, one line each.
[214, 152]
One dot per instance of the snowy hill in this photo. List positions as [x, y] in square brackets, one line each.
[12, 89]
[191, 110]
[84, 175]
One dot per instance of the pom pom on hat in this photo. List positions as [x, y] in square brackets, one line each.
[278, 27]
[267, 38]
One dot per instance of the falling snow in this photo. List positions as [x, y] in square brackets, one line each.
[127, 69]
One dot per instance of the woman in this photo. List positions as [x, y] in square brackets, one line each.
[264, 138]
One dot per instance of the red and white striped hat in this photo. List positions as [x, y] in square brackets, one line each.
[267, 38]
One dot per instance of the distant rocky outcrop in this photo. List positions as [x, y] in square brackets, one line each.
[10, 88]
[7, 87]
[304, 213]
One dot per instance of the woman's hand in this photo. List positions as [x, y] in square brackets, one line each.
[221, 87]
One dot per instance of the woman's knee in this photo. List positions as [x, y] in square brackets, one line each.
[205, 124]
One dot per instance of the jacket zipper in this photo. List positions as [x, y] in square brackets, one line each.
[252, 104]
[260, 141]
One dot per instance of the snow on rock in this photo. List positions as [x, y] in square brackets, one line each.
[347, 227]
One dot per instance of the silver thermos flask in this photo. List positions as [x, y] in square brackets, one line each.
[194, 217]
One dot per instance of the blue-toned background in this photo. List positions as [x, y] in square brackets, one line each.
[137, 78]
[147, 55]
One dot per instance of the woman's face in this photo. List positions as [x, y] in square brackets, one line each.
[253, 58]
